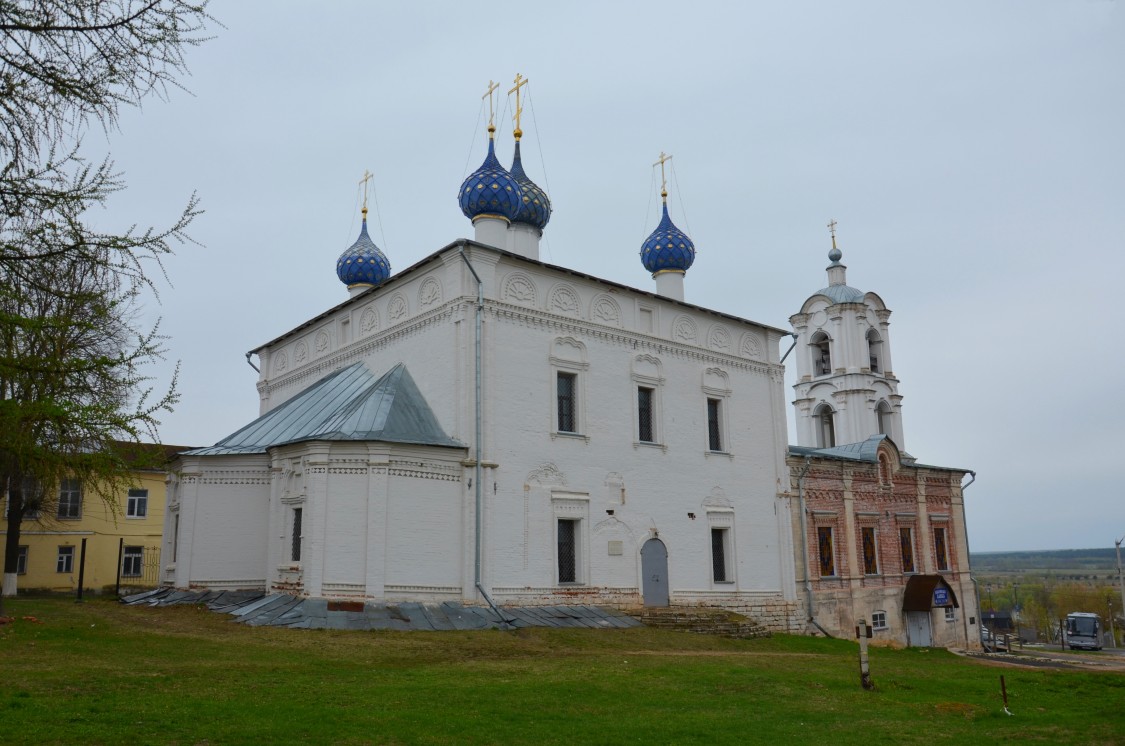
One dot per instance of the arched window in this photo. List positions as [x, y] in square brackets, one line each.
[821, 354]
[875, 351]
[825, 427]
[883, 417]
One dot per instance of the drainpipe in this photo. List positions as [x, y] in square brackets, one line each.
[782, 360]
[255, 367]
[976, 588]
[477, 468]
[811, 619]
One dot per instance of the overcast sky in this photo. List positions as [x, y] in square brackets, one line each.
[972, 153]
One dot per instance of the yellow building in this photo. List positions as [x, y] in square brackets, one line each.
[51, 540]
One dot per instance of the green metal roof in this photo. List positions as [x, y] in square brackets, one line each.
[350, 404]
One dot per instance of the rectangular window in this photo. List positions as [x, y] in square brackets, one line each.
[906, 546]
[870, 551]
[131, 562]
[65, 561]
[714, 433]
[720, 551]
[950, 614]
[137, 505]
[568, 550]
[175, 536]
[941, 551]
[567, 388]
[644, 415]
[878, 620]
[295, 546]
[70, 499]
[826, 551]
[21, 561]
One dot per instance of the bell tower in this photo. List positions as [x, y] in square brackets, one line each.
[846, 390]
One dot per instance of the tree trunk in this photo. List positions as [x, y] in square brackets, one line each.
[12, 540]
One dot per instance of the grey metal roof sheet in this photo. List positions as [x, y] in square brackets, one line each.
[349, 404]
[842, 293]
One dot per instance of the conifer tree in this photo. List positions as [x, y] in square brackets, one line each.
[72, 352]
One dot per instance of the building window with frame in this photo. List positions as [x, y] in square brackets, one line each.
[875, 351]
[720, 555]
[714, 425]
[70, 499]
[941, 550]
[826, 551]
[906, 547]
[870, 550]
[950, 614]
[295, 540]
[30, 496]
[21, 560]
[879, 620]
[883, 418]
[646, 433]
[568, 550]
[137, 504]
[132, 560]
[65, 561]
[821, 354]
[825, 420]
[175, 536]
[566, 389]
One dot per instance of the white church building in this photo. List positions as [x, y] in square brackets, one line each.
[487, 428]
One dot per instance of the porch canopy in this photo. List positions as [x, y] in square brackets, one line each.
[919, 594]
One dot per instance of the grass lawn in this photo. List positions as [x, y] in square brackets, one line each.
[103, 673]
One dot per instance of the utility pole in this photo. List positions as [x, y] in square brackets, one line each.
[1120, 581]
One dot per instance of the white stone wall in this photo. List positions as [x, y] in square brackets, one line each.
[223, 509]
[405, 536]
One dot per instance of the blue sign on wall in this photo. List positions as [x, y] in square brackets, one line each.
[941, 597]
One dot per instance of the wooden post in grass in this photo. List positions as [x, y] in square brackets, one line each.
[81, 571]
[863, 633]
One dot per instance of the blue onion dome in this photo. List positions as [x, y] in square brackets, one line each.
[668, 248]
[535, 208]
[363, 263]
[490, 191]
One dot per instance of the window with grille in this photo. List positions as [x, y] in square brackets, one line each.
[295, 546]
[714, 425]
[906, 544]
[65, 562]
[720, 555]
[70, 499]
[137, 504]
[878, 620]
[645, 432]
[941, 551]
[870, 551]
[567, 387]
[826, 551]
[131, 562]
[568, 550]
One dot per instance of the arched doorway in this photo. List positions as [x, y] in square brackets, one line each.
[654, 573]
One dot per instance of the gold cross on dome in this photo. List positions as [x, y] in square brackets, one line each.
[364, 181]
[520, 81]
[832, 230]
[663, 182]
[491, 87]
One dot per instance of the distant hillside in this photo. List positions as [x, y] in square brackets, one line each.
[1063, 561]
